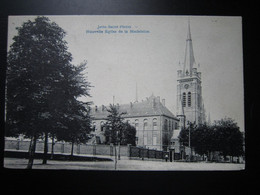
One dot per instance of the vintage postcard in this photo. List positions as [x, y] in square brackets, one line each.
[98, 92]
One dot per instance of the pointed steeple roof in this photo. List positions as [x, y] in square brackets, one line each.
[189, 59]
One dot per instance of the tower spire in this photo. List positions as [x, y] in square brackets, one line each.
[189, 59]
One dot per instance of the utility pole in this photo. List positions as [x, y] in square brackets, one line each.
[189, 123]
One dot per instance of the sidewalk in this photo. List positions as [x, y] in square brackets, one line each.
[123, 164]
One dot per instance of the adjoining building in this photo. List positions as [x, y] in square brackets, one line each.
[153, 121]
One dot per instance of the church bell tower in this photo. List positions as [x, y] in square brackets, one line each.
[189, 94]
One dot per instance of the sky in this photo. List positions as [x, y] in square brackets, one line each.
[149, 56]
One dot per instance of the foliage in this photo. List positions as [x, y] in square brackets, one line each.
[42, 84]
[229, 138]
[76, 124]
[224, 136]
[117, 130]
[204, 139]
[128, 135]
[184, 135]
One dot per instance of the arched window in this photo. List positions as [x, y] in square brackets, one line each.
[189, 99]
[94, 126]
[154, 124]
[145, 124]
[184, 99]
[136, 124]
[102, 126]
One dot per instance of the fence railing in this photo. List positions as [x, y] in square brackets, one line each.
[97, 149]
[137, 152]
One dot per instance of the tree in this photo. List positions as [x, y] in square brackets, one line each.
[118, 131]
[229, 138]
[76, 124]
[41, 82]
[128, 134]
[184, 135]
[204, 140]
[114, 125]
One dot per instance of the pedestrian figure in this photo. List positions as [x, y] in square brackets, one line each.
[166, 157]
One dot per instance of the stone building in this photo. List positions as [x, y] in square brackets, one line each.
[154, 123]
[190, 105]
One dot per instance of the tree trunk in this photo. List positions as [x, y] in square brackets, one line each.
[45, 153]
[115, 157]
[72, 147]
[30, 146]
[32, 152]
[119, 150]
[52, 147]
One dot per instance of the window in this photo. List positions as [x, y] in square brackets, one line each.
[136, 124]
[102, 126]
[176, 125]
[189, 99]
[94, 126]
[145, 124]
[154, 124]
[184, 99]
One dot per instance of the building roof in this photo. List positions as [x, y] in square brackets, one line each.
[152, 106]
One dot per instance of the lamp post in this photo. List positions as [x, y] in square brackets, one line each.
[189, 123]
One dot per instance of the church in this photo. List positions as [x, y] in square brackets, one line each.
[156, 126]
[190, 106]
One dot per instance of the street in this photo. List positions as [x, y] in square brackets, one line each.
[123, 164]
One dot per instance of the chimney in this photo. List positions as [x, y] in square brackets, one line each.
[163, 102]
[103, 108]
[131, 105]
[117, 105]
[153, 102]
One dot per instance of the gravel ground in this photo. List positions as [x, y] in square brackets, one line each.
[15, 163]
